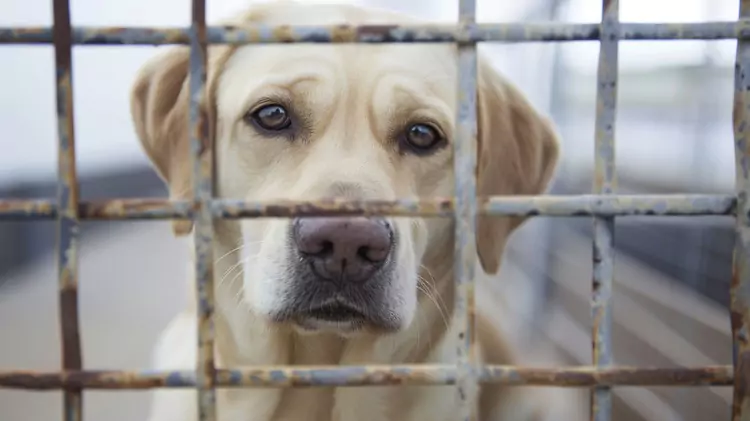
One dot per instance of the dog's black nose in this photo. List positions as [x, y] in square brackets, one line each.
[343, 249]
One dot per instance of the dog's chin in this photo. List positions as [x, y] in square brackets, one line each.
[344, 328]
[332, 318]
[336, 318]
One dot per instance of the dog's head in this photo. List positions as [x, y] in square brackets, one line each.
[310, 122]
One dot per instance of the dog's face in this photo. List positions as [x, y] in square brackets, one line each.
[312, 122]
[316, 122]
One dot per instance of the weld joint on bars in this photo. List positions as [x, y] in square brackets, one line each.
[463, 33]
[542, 205]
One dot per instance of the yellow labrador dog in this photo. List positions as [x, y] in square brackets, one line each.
[307, 122]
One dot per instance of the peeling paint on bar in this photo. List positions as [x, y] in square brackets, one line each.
[470, 32]
[372, 375]
[11, 209]
[740, 286]
[201, 148]
[583, 205]
[137, 209]
[68, 229]
[465, 217]
[97, 379]
[614, 376]
[610, 205]
[605, 183]
[338, 376]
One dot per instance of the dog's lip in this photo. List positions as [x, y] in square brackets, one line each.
[334, 312]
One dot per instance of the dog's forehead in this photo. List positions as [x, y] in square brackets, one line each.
[324, 14]
[345, 63]
[361, 59]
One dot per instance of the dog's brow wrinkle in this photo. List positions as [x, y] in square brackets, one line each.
[291, 82]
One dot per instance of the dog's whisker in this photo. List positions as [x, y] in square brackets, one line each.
[421, 284]
[239, 264]
[433, 284]
[236, 249]
[231, 269]
[241, 271]
[239, 247]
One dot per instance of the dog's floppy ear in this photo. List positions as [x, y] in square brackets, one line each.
[159, 104]
[517, 154]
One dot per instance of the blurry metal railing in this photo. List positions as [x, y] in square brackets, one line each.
[603, 205]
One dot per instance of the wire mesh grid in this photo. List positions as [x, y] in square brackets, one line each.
[603, 205]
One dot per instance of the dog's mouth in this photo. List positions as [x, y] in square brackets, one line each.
[335, 312]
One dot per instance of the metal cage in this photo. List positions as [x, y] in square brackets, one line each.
[603, 205]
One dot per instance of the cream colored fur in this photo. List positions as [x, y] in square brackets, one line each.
[354, 97]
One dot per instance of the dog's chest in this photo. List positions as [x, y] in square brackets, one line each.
[305, 404]
[327, 404]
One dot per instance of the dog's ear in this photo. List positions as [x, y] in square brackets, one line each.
[518, 152]
[159, 104]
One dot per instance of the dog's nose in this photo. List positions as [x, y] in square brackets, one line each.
[343, 249]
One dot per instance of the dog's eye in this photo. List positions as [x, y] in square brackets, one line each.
[272, 117]
[423, 137]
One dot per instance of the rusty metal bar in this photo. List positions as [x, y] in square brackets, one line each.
[12, 209]
[374, 375]
[469, 32]
[68, 228]
[465, 216]
[605, 182]
[203, 192]
[740, 286]
[546, 205]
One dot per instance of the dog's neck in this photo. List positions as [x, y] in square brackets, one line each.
[244, 339]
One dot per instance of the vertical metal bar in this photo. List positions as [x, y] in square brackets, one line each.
[203, 185]
[605, 182]
[465, 161]
[740, 288]
[67, 217]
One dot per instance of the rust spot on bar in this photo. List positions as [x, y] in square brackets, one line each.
[72, 346]
[615, 376]
[95, 380]
[67, 208]
[741, 386]
[330, 207]
[27, 209]
[740, 284]
[136, 208]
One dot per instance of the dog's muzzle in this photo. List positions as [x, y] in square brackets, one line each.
[342, 267]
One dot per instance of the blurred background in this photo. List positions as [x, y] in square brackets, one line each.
[674, 135]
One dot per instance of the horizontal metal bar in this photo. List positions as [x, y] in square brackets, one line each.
[426, 375]
[27, 209]
[470, 32]
[94, 210]
[545, 205]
